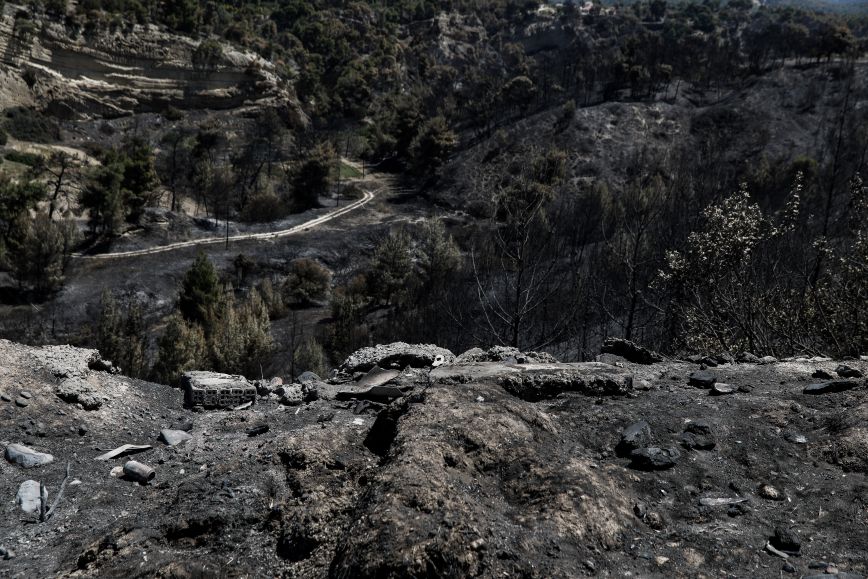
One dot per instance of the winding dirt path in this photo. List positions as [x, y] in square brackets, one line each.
[307, 225]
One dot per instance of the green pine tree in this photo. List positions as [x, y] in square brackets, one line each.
[200, 292]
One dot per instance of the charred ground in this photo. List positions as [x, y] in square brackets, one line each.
[462, 475]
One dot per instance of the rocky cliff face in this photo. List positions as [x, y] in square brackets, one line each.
[125, 71]
[488, 464]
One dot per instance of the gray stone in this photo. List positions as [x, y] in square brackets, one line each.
[845, 371]
[28, 498]
[293, 395]
[26, 457]
[830, 387]
[174, 437]
[747, 358]
[788, 568]
[634, 437]
[6, 554]
[702, 379]
[720, 389]
[768, 360]
[767, 491]
[377, 377]
[306, 377]
[22, 402]
[25, 394]
[5, 397]
[654, 458]
[79, 391]
[795, 438]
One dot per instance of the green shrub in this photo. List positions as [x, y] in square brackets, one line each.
[29, 159]
[30, 125]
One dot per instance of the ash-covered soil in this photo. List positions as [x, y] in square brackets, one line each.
[508, 468]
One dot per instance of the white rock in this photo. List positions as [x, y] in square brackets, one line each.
[28, 497]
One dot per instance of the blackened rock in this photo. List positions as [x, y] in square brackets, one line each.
[309, 391]
[634, 437]
[654, 458]
[257, 430]
[709, 362]
[845, 371]
[697, 435]
[692, 441]
[738, 510]
[186, 426]
[822, 375]
[702, 379]
[698, 427]
[786, 540]
[630, 351]
[830, 387]
[788, 568]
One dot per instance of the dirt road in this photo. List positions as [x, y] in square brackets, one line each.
[306, 226]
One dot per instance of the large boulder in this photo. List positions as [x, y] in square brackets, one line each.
[397, 355]
[630, 351]
[27, 457]
[77, 390]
